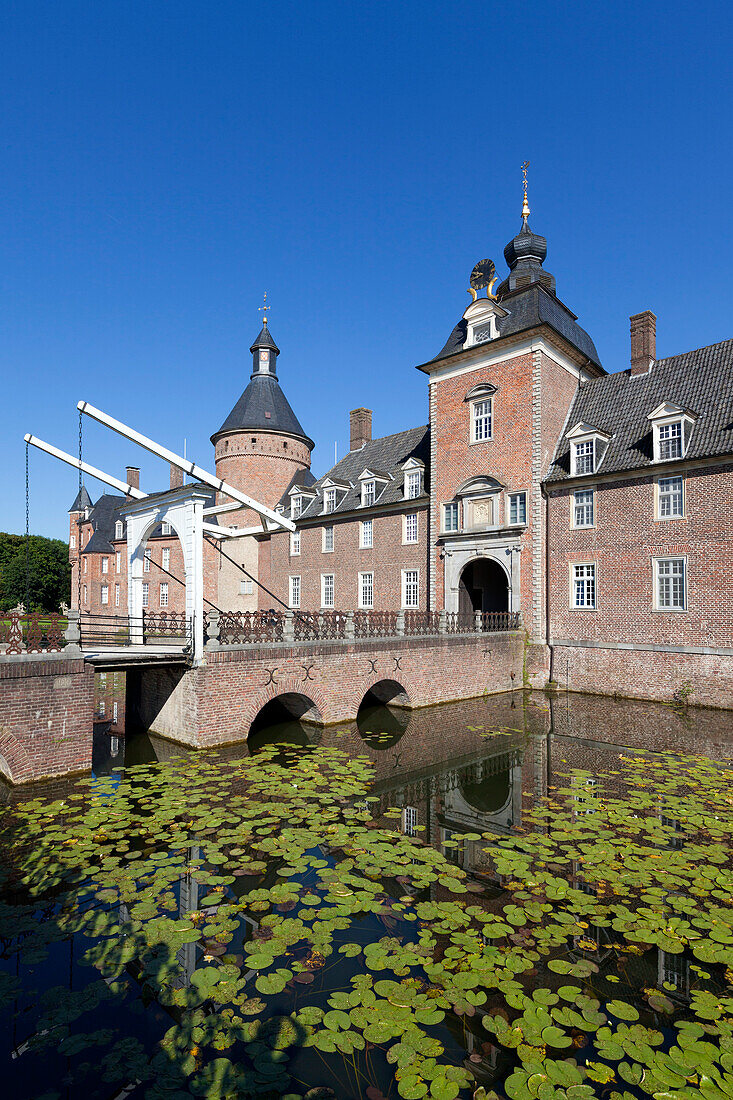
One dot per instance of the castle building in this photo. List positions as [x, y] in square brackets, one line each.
[599, 506]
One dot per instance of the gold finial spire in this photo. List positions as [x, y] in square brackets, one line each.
[525, 204]
[263, 310]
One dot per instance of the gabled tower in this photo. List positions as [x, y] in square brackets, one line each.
[78, 513]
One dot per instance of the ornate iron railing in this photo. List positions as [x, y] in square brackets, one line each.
[32, 633]
[153, 628]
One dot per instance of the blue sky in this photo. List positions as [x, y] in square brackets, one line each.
[163, 164]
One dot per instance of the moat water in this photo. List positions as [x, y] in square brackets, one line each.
[521, 894]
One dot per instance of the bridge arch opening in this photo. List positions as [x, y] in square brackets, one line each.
[287, 719]
[383, 714]
[483, 586]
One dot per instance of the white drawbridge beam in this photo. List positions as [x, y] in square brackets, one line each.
[108, 479]
[188, 467]
[217, 509]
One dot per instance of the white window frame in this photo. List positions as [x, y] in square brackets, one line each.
[165, 528]
[166, 556]
[325, 587]
[366, 585]
[294, 544]
[147, 558]
[583, 449]
[663, 561]
[482, 420]
[246, 587]
[114, 710]
[513, 502]
[294, 591]
[451, 504]
[86, 595]
[102, 708]
[661, 497]
[368, 492]
[665, 435]
[413, 484]
[329, 501]
[105, 565]
[296, 507]
[105, 594]
[578, 508]
[583, 579]
[119, 529]
[117, 595]
[364, 525]
[86, 561]
[406, 532]
[146, 594]
[72, 542]
[407, 589]
[118, 562]
[164, 593]
[328, 540]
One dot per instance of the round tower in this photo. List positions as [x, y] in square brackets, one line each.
[261, 447]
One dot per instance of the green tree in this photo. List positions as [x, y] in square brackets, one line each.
[50, 572]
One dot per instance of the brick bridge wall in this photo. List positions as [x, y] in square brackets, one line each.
[46, 712]
[218, 701]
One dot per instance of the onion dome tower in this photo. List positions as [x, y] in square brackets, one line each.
[261, 447]
[525, 254]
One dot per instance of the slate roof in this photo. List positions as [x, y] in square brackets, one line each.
[263, 406]
[700, 381]
[528, 308]
[82, 500]
[387, 453]
[302, 478]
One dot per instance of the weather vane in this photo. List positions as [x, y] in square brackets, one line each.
[263, 310]
[525, 204]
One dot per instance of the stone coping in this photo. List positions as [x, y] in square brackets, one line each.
[644, 647]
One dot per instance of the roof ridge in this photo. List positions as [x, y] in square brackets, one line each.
[692, 351]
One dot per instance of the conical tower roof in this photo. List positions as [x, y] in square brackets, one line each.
[82, 500]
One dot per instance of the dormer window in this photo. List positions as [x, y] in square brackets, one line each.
[672, 427]
[119, 529]
[587, 447]
[296, 507]
[584, 455]
[412, 484]
[329, 500]
[165, 528]
[368, 493]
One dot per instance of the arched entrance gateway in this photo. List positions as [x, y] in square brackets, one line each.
[483, 586]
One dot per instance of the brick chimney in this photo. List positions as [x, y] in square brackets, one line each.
[176, 477]
[361, 428]
[132, 476]
[643, 342]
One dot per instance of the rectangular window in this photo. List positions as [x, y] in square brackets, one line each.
[367, 534]
[246, 588]
[105, 565]
[114, 711]
[412, 485]
[102, 708]
[481, 430]
[583, 508]
[585, 457]
[409, 821]
[328, 540]
[294, 599]
[119, 529]
[117, 595]
[296, 507]
[164, 594]
[670, 498]
[670, 440]
[147, 558]
[103, 679]
[450, 516]
[86, 600]
[583, 594]
[105, 593]
[366, 590]
[85, 564]
[118, 562]
[329, 500]
[72, 542]
[410, 588]
[517, 508]
[146, 594]
[411, 528]
[670, 584]
[294, 544]
[327, 590]
[368, 493]
[166, 557]
[165, 528]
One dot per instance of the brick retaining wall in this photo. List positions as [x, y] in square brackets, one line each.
[46, 711]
